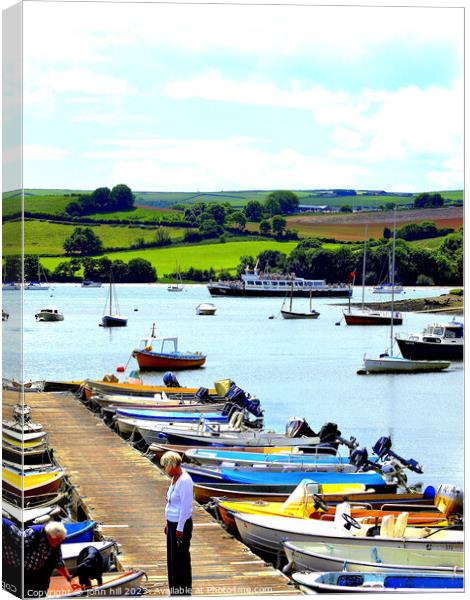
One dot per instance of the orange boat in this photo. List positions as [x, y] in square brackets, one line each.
[166, 356]
[126, 583]
[304, 503]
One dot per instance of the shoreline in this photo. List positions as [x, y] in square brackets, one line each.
[445, 303]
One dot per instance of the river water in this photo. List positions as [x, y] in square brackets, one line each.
[296, 368]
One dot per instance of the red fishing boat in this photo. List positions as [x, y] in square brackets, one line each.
[161, 354]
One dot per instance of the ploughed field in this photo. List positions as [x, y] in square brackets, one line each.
[350, 226]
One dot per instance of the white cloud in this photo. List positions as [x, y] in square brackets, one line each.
[113, 118]
[82, 81]
[377, 124]
[88, 32]
[235, 163]
[34, 152]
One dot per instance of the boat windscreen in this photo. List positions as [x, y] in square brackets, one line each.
[301, 503]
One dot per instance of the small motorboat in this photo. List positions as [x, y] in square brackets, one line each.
[166, 355]
[49, 314]
[5, 315]
[88, 283]
[107, 548]
[436, 342]
[125, 583]
[340, 581]
[10, 285]
[387, 288]
[265, 534]
[29, 515]
[279, 475]
[79, 532]
[321, 556]
[31, 483]
[206, 308]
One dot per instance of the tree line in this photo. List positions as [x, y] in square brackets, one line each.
[103, 199]
[414, 266]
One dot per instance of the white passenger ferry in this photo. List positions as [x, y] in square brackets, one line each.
[256, 283]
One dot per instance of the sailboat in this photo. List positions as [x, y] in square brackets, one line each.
[387, 362]
[37, 285]
[178, 286]
[387, 287]
[9, 285]
[110, 318]
[367, 316]
[288, 313]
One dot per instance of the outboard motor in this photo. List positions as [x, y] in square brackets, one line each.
[239, 398]
[202, 393]
[383, 450]
[22, 413]
[297, 427]
[329, 433]
[449, 500]
[169, 379]
[359, 458]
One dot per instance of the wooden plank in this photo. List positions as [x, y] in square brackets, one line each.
[126, 493]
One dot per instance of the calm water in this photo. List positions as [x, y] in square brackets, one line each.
[296, 368]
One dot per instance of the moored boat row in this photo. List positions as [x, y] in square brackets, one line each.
[36, 490]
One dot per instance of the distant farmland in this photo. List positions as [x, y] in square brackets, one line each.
[350, 227]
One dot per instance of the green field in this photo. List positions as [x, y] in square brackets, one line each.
[51, 205]
[204, 256]
[44, 237]
[430, 243]
[55, 205]
[140, 215]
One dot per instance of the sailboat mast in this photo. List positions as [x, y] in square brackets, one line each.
[364, 266]
[111, 294]
[392, 279]
[291, 295]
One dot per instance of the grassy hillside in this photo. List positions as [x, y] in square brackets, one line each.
[429, 244]
[43, 237]
[46, 204]
[204, 256]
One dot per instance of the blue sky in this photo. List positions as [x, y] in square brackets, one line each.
[219, 97]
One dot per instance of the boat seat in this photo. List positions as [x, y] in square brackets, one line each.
[400, 525]
[387, 526]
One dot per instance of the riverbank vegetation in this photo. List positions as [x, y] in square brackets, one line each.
[216, 235]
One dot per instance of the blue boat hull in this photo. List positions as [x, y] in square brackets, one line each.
[173, 416]
[79, 532]
[252, 476]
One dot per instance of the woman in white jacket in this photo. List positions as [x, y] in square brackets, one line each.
[179, 525]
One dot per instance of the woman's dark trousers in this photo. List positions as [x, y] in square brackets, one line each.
[179, 559]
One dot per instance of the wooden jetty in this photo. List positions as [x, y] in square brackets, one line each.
[125, 493]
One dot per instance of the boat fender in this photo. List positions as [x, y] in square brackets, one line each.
[287, 570]
[148, 348]
[236, 420]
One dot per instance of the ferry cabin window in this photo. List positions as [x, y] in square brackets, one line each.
[282, 283]
[438, 331]
[452, 334]
[258, 283]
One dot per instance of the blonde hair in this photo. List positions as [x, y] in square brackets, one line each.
[170, 459]
[55, 530]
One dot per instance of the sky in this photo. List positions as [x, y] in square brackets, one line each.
[188, 97]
